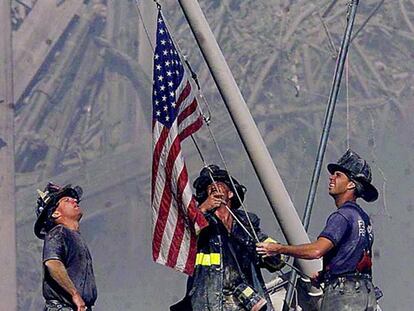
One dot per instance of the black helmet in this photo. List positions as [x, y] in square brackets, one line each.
[213, 173]
[358, 170]
[46, 205]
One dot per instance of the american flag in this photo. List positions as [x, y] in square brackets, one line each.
[175, 117]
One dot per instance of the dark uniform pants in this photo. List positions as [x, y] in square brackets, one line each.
[349, 295]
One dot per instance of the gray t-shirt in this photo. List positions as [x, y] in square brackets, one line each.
[69, 247]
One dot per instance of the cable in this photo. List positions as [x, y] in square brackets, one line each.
[231, 180]
[207, 121]
[347, 102]
[328, 34]
[373, 12]
[254, 236]
[333, 97]
[143, 23]
[301, 273]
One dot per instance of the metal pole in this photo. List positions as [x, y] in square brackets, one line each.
[266, 171]
[333, 96]
[365, 22]
[8, 283]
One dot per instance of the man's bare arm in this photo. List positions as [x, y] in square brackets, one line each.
[314, 250]
[59, 273]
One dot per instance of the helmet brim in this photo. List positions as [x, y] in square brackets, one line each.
[369, 194]
[40, 224]
[203, 181]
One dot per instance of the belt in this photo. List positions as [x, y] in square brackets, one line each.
[355, 276]
[58, 304]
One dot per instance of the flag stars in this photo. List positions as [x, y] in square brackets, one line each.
[168, 73]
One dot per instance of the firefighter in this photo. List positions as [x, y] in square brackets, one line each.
[227, 274]
[346, 241]
[68, 278]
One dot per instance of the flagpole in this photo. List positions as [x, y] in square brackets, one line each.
[256, 149]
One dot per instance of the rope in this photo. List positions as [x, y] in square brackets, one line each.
[332, 46]
[285, 262]
[143, 23]
[303, 274]
[207, 121]
[375, 161]
[329, 8]
[217, 146]
[254, 236]
[371, 15]
[347, 103]
[333, 97]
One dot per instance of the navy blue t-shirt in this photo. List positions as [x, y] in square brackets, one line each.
[69, 247]
[349, 229]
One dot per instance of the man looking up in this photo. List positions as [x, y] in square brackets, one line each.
[346, 241]
[68, 282]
